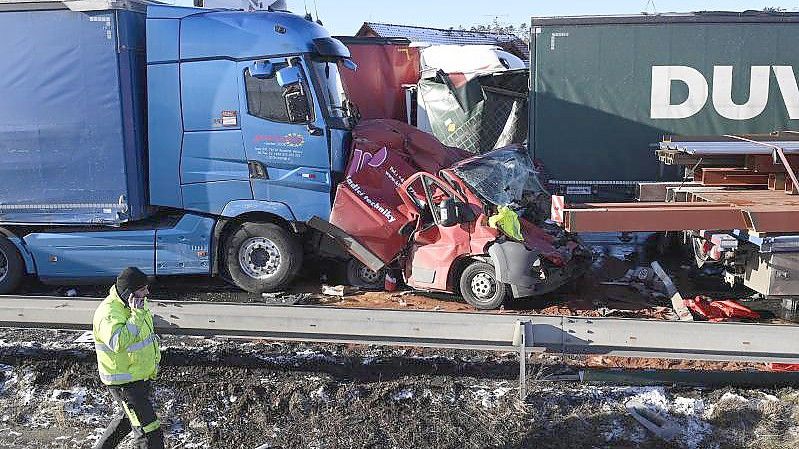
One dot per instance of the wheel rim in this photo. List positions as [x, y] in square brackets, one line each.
[259, 258]
[368, 276]
[484, 286]
[3, 266]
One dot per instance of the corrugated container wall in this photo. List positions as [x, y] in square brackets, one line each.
[604, 89]
[72, 116]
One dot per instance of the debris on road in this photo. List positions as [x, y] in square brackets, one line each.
[723, 310]
[643, 280]
[338, 290]
[671, 290]
[285, 299]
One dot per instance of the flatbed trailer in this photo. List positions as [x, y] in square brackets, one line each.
[740, 210]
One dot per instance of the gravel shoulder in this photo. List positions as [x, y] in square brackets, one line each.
[216, 393]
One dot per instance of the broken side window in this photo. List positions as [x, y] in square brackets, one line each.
[428, 196]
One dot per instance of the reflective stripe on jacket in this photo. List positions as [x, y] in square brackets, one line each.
[125, 342]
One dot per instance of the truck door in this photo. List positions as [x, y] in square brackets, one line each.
[284, 136]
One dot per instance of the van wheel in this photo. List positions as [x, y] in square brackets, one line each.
[12, 267]
[262, 257]
[480, 287]
[359, 275]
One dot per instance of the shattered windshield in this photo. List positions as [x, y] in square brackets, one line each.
[504, 177]
[333, 96]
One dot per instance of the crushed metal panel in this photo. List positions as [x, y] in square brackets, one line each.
[384, 154]
[352, 245]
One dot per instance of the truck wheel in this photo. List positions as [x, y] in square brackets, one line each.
[358, 275]
[480, 287]
[12, 267]
[262, 257]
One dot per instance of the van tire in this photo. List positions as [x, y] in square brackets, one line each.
[12, 267]
[358, 275]
[481, 288]
[262, 257]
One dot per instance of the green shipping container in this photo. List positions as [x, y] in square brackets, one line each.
[605, 88]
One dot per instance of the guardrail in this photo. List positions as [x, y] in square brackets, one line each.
[481, 331]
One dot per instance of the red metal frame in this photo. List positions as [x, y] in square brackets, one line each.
[754, 210]
[730, 177]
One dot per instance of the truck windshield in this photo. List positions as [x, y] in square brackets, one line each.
[333, 96]
[504, 177]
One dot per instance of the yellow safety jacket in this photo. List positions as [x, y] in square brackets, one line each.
[507, 221]
[125, 342]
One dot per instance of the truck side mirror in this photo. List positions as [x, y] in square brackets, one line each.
[288, 76]
[262, 69]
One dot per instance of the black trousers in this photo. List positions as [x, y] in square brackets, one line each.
[137, 415]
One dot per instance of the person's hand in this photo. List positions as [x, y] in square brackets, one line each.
[135, 303]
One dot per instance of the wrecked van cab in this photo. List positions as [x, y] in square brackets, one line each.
[455, 248]
[473, 226]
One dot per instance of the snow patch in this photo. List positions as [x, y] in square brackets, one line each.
[402, 395]
[616, 431]
[489, 398]
[688, 406]
[321, 394]
[8, 378]
[687, 414]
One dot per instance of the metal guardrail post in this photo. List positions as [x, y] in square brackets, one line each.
[520, 340]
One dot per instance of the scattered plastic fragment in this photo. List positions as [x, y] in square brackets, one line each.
[337, 290]
[723, 310]
[784, 367]
[652, 420]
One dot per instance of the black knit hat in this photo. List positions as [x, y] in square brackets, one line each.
[130, 280]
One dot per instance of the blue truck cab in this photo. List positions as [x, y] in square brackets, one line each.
[178, 140]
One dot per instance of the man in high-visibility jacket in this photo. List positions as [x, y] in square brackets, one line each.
[127, 358]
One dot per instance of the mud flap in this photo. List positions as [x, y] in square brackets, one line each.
[349, 243]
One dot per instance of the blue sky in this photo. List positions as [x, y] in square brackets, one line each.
[344, 17]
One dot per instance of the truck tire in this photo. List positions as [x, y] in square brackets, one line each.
[12, 267]
[262, 257]
[358, 275]
[480, 287]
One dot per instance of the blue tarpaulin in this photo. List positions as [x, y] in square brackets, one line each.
[72, 117]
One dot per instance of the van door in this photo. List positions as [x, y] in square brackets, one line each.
[438, 241]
